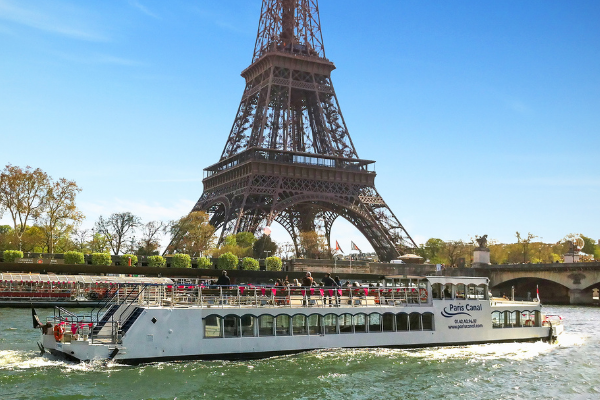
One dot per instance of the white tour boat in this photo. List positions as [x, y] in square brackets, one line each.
[153, 322]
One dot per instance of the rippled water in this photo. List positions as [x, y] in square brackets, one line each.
[566, 370]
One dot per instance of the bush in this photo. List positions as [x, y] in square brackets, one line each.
[228, 261]
[156, 261]
[74, 257]
[274, 264]
[204, 263]
[125, 260]
[101, 259]
[250, 264]
[12, 255]
[181, 261]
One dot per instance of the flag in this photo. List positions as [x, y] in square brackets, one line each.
[354, 247]
[538, 292]
[337, 247]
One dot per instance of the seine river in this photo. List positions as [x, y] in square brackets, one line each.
[566, 370]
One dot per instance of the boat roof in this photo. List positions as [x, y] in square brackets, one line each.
[455, 280]
[88, 279]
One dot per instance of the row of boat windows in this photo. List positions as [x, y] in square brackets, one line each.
[440, 291]
[516, 319]
[216, 326]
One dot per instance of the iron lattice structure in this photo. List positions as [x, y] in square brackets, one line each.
[289, 157]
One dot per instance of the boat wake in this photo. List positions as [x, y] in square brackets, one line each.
[12, 360]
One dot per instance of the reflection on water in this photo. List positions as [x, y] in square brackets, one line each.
[566, 370]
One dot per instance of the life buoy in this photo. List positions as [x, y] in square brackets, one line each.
[423, 294]
[59, 331]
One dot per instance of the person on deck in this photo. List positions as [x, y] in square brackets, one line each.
[307, 280]
[223, 279]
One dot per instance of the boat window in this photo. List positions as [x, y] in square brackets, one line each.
[248, 325]
[427, 319]
[448, 291]
[415, 322]
[265, 325]
[388, 322]
[527, 319]
[510, 319]
[436, 291]
[314, 324]
[360, 323]
[481, 292]
[231, 326]
[330, 323]
[401, 322]
[282, 325]
[345, 323]
[299, 325]
[375, 322]
[212, 326]
[497, 319]
[471, 295]
[460, 291]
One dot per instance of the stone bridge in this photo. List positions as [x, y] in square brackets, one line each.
[576, 283]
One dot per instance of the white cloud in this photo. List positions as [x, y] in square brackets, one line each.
[143, 9]
[63, 21]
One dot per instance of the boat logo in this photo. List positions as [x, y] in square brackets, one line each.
[454, 311]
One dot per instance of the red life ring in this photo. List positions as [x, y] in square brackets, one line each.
[423, 295]
[59, 331]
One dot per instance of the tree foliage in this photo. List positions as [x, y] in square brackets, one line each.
[23, 194]
[264, 246]
[181, 261]
[204, 263]
[101, 259]
[117, 228]
[273, 264]
[156, 261]
[313, 245]
[150, 241]
[192, 234]
[60, 212]
[250, 264]
[74, 257]
[228, 261]
[12, 255]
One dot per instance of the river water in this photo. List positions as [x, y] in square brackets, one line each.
[566, 370]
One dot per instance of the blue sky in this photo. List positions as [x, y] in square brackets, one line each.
[483, 117]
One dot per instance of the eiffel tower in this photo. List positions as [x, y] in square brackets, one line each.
[289, 157]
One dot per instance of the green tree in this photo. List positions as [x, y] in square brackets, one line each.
[117, 228]
[589, 245]
[60, 212]
[74, 257]
[228, 261]
[181, 261]
[313, 245]
[524, 243]
[23, 193]
[156, 261]
[245, 239]
[192, 234]
[264, 246]
[101, 259]
[11, 256]
[150, 241]
[273, 264]
[204, 263]
[250, 264]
